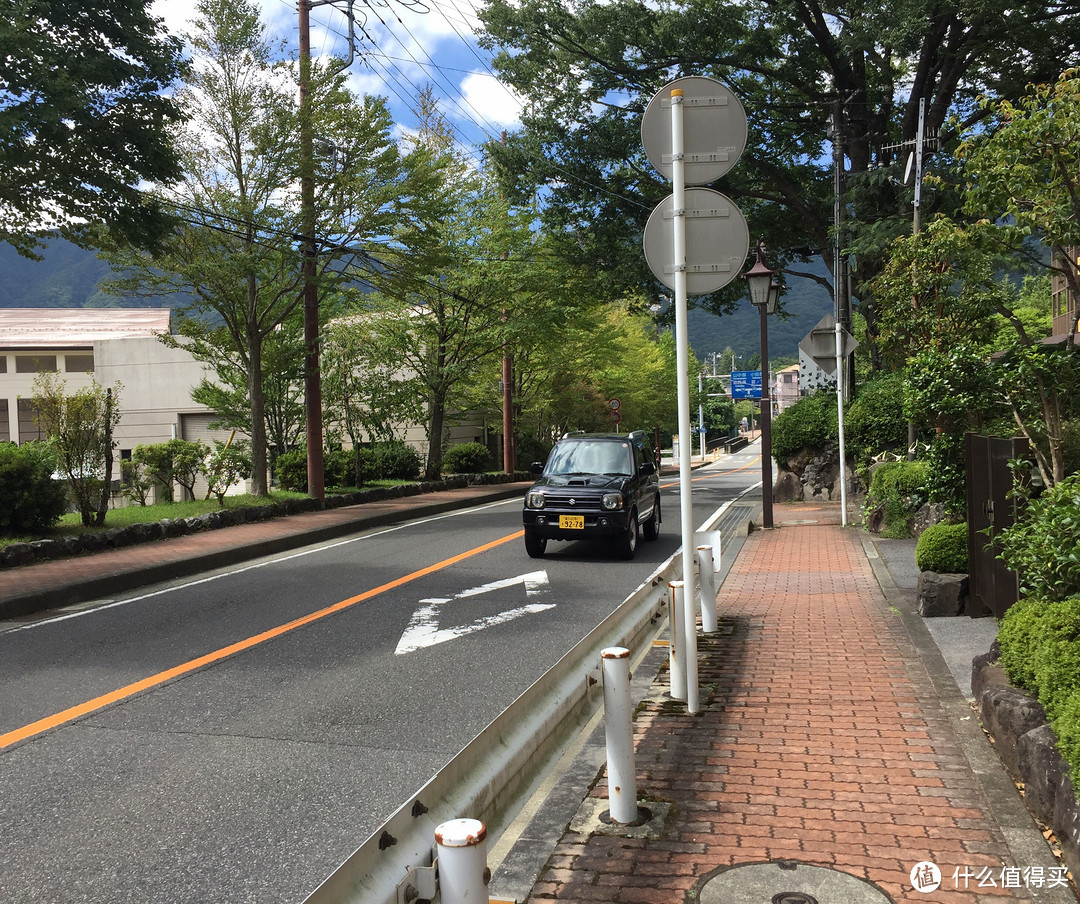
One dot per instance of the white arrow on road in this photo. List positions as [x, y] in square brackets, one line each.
[424, 630]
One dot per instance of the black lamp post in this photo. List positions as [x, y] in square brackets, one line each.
[764, 292]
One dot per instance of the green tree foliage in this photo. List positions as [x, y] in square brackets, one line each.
[1024, 170]
[1043, 545]
[31, 500]
[586, 69]
[80, 426]
[86, 116]
[237, 257]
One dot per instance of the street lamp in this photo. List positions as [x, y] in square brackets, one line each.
[764, 291]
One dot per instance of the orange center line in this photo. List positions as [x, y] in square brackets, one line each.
[186, 668]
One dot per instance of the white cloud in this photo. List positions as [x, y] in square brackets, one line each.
[492, 100]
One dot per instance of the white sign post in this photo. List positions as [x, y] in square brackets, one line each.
[702, 140]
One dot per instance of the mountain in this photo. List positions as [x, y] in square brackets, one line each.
[805, 302]
[66, 277]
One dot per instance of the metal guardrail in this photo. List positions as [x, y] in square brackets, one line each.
[485, 779]
[494, 770]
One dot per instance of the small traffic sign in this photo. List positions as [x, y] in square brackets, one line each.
[616, 416]
[614, 404]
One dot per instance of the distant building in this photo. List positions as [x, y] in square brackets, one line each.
[785, 389]
[1063, 299]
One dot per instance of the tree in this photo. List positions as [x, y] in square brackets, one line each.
[80, 426]
[585, 71]
[1023, 171]
[86, 116]
[364, 388]
[238, 256]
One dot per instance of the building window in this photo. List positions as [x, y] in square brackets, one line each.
[5, 424]
[79, 364]
[28, 427]
[3, 364]
[35, 364]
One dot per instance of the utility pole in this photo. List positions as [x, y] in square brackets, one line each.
[841, 284]
[509, 463]
[312, 378]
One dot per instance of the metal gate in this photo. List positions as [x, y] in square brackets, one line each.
[992, 587]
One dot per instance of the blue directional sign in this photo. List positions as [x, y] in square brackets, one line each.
[746, 384]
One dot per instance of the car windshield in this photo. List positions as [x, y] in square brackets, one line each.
[587, 457]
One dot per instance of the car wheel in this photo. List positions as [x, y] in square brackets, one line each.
[534, 545]
[651, 528]
[628, 542]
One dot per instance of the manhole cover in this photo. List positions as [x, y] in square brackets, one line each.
[788, 882]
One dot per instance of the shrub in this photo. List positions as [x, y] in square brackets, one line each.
[943, 548]
[30, 499]
[874, 421]
[225, 465]
[897, 488]
[291, 470]
[809, 423]
[339, 467]
[1040, 651]
[467, 458]
[946, 474]
[396, 461]
[1043, 545]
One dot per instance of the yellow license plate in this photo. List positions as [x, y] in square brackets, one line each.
[572, 522]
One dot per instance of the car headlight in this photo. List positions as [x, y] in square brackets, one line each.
[535, 500]
[612, 501]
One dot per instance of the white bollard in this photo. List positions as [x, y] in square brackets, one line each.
[463, 869]
[676, 657]
[619, 731]
[707, 591]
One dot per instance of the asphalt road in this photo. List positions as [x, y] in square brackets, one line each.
[243, 732]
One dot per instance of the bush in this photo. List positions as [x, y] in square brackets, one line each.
[226, 465]
[339, 468]
[898, 489]
[291, 470]
[30, 499]
[467, 458]
[874, 421]
[1040, 651]
[1043, 545]
[396, 461]
[809, 423]
[943, 548]
[946, 473]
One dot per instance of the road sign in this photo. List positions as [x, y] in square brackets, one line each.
[820, 344]
[614, 404]
[717, 240]
[616, 416]
[714, 129]
[746, 384]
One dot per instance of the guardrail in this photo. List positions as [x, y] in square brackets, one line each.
[489, 776]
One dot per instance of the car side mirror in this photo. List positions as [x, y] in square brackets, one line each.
[536, 468]
[647, 467]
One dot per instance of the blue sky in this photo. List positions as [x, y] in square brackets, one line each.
[402, 49]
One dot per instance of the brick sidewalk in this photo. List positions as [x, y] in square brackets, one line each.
[822, 740]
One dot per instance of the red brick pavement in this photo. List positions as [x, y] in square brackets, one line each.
[822, 740]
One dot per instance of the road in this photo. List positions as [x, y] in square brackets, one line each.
[235, 737]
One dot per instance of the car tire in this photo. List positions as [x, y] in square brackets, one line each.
[650, 529]
[627, 544]
[534, 545]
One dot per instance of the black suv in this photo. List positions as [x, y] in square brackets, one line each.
[595, 486]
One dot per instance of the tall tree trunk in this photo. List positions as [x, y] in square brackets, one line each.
[258, 402]
[106, 452]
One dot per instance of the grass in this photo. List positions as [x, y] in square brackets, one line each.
[70, 525]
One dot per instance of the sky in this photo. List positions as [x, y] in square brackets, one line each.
[401, 49]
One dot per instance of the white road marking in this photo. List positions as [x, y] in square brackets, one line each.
[424, 630]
